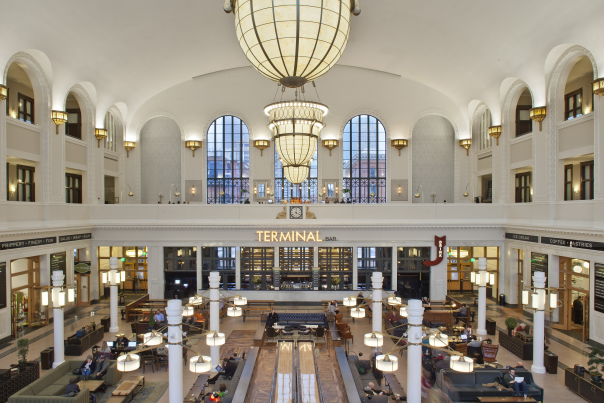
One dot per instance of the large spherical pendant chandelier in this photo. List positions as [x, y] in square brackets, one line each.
[293, 41]
[296, 126]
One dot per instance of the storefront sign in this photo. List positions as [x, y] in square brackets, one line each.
[539, 262]
[440, 243]
[599, 287]
[58, 261]
[291, 236]
[571, 243]
[26, 243]
[78, 237]
[522, 237]
[330, 239]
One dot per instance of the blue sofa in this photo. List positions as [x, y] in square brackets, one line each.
[297, 319]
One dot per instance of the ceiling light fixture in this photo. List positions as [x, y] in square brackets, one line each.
[538, 114]
[399, 144]
[495, 131]
[466, 144]
[193, 145]
[100, 134]
[262, 145]
[292, 42]
[59, 117]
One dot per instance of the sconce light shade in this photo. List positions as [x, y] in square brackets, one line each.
[104, 277]
[123, 275]
[350, 301]
[374, 340]
[100, 134]
[466, 144]
[553, 300]
[3, 92]
[330, 145]
[492, 278]
[44, 298]
[386, 363]
[495, 131]
[262, 145]
[128, 362]
[357, 313]
[59, 117]
[193, 145]
[538, 114]
[399, 144]
[70, 294]
[200, 363]
[129, 145]
[535, 304]
[473, 277]
[598, 87]
[61, 298]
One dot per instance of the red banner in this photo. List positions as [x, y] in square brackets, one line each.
[440, 243]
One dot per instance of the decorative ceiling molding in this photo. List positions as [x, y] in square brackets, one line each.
[290, 228]
[553, 231]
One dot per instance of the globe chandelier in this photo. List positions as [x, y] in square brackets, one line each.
[292, 41]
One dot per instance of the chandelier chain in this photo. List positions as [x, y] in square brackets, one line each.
[315, 87]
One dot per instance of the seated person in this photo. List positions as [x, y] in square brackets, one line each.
[104, 348]
[520, 366]
[159, 317]
[72, 388]
[229, 368]
[461, 313]
[509, 381]
[222, 391]
[122, 341]
[469, 332]
[88, 367]
[101, 368]
[371, 391]
[475, 343]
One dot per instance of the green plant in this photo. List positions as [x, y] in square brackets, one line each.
[22, 349]
[511, 323]
[151, 321]
[335, 280]
[596, 358]
[257, 280]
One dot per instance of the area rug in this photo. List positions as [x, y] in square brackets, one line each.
[150, 393]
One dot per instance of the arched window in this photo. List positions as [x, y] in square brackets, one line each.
[228, 142]
[364, 160]
[486, 141]
[306, 191]
[110, 141]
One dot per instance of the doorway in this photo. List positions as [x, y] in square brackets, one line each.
[459, 267]
[573, 295]
[82, 287]
[27, 311]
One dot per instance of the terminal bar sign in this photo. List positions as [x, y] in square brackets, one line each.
[291, 236]
[440, 243]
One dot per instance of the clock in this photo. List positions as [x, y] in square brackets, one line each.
[295, 213]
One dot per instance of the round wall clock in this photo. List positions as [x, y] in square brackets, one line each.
[295, 213]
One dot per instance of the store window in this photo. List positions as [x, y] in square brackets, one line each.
[304, 192]
[296, 265]
[459, 267]
[26, 188]
[73, 126]
[178, 259]
[568, 182]
[221, 259]
[573, 104]
[587, 180]
[335, 265]
[132, 259]
[413, 275]
[257, 268]
[180, 277]
[26, 108]
[370, 260]
[524, 191]
[364, 149]
[73, 188]
[228, 164]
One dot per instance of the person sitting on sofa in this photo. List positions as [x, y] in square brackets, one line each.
[520, 366]
[88, 367]
[229, 368]
[371, 391]
[222, 390]
[101, 368]
[72, 388]
[509, 380]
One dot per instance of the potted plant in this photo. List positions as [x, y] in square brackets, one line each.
[22, 350]
[93, 325]
[334, 283]
[346, 193]
[151, 321]
[257, 280]
[511, 324]
[596, 358]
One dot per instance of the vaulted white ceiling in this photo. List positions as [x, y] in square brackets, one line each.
[133, 50]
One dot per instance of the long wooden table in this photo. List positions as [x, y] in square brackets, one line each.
[283, 389]
[309, 387]
[128, 387]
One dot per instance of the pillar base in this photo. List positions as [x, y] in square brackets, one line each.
[481, 332]
[56, 364]
[538, 370]
[114, 329]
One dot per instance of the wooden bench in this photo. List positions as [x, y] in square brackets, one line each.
[257, 302]
[246, 376]
[260, 335]
[194, 394]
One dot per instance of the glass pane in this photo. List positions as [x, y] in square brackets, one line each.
[524, 115]
[479, 252]
[492, 251]
[571, 103]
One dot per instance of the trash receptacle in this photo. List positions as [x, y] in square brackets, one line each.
[491, 326]
[47, 358]
[502, 299]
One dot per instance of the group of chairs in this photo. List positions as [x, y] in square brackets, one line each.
[288, 331]
[488, 352]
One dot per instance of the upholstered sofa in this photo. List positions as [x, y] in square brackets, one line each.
[77, 344]
[468, 386]
[231, 384]
[395, 330]
[297, 319]
[50, 387]
[362, 380]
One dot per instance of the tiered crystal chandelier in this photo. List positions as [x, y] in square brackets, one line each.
[296, 126]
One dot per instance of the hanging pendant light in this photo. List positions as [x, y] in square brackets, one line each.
[349, 301]
[200, 363]
[525, 297]
[374, 339]
[357, 313]
[128, 362]
[386, 363]
[292, 42]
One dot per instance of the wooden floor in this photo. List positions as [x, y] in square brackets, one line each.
[284, 383]
[308, 388]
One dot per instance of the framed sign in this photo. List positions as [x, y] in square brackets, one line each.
[599, 287]
[3, 301]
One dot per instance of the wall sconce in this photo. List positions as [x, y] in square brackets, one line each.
[576, 189]
[399, 144]
[193, 145]
[417, 194]
[330, 145]
[255, 190]
[495, 131]
[598, 87]
[193, 190]
[3, 92]
[336, 190]
[538, 114]
[13, 189]
[466, 144]
[400, 190]
[100, 134]
[262, 145]
[129, 145]
[59, 117]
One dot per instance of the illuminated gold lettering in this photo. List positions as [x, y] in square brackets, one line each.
[318, 238]
[284, 237]
[310, 236]
[259, 236]
[274, 236]
[267, 236]
[298, 236]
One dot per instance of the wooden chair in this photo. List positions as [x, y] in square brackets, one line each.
[339, 317]
[148, 360]
[161, 360]
[489, 352]
[271, 333]
[462, 348]
[320, 332]
[344, 331]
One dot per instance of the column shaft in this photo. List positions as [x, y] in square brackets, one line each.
[355, 268]
[482, 297]
[214, 315]
[175, 358]
[59, 326]
[113, 326]
[415, 313]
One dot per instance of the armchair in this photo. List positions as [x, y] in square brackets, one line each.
[489, 352]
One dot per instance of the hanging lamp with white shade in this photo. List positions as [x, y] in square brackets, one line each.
[386, 363]
[128, 362]
[200, 363]
[349, 301]
[373, 339]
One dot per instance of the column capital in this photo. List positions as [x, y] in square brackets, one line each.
[482, 263]
[174, 312]
[214, 279]
[539, 279]
[415, 312]
[57, 278]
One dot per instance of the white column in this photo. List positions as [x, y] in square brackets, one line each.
[394, 280]
[57, 282]
[553, 274]
[415, 313]
[482, 297]
[214, 315]
[199, 266]
[539, 325]
[315, 256]
[238, 268]
[113, 327]
[355, 268]
[276, 257]
[377, 279]
[174, 313]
